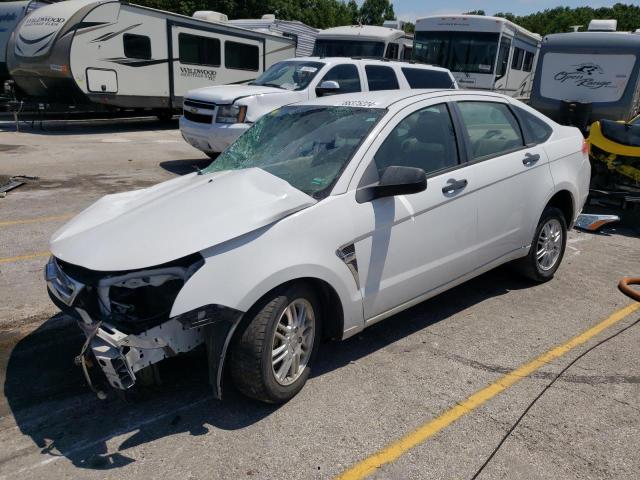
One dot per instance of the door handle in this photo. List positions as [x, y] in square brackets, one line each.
[530, 159]
[454, 186]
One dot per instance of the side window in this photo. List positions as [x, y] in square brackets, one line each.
[518, 57]
[424, 139]
[137, 46]
[347, 77]
[538, 130]
[241, 56]
[503, 57]
[407, 52]
[392, 51]
[528, 62]
[199, 50]
[423, 78]
[491, 127]
[381, 78]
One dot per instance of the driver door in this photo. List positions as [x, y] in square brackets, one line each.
[415, 244]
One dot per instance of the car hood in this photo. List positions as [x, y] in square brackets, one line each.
[225, 94]
[173, 219]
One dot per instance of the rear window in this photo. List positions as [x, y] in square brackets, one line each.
[537, 130]
[422, 78]
[381, 78]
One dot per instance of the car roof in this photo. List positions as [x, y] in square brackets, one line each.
[386, 98]
[368, 61]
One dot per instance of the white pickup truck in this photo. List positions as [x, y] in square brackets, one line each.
[215, 116]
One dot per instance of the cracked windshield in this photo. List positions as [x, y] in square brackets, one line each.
[306, 146]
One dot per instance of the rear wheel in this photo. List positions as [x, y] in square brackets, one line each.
[271, 361]
[547, 247]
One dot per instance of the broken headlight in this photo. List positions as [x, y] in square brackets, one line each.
[132, 301]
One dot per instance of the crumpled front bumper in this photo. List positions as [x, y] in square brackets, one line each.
[120, 355]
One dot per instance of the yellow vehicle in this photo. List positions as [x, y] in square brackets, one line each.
[614, 149]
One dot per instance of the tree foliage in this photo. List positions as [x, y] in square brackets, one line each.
[561, 19]
[317, 13]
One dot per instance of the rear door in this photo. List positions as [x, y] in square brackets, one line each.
[511, 173]
[202, 57]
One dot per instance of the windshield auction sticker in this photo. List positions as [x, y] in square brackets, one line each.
[585, 78]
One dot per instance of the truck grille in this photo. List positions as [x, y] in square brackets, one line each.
[197, 117]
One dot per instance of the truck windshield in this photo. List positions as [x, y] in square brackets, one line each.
[470, 52]
[348, 48]
[308, 146]
[289, 75]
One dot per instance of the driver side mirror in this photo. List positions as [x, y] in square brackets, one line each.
[328, 87]
[394, 181]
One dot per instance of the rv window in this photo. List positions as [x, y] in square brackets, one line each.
[347, 48]
[518, 57]
[392, 51]
[491, 127]
[424, 139]
[470, 52]
[537, 130]
[381, 78]
[199, 50]
[241, 56]
[528, 61]
[406, 53]
[137, 46]
[347, 77]
[422, 78]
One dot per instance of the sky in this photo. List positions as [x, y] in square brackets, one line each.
[412, 9]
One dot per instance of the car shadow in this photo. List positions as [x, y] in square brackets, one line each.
[88, 126]
[183, 167]
[50, 402]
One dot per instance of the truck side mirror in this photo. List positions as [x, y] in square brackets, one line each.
[328, 87]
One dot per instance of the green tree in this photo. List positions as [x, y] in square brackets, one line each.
[374, 12]
[409, 27]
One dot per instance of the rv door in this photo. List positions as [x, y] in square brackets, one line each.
[201, 58]
[502, 64]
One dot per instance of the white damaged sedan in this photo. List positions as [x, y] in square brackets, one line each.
[322, 219]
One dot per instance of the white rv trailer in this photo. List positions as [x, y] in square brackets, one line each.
[10, 14]
[303, 35]
[364, 41]
[488, 53]
[119, 55]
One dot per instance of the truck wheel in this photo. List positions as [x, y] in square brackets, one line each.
[547, 247]
[272, 359]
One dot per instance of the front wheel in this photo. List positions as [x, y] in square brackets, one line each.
[271, 361]
[547, 247]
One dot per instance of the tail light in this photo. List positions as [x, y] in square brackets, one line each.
[585, 147]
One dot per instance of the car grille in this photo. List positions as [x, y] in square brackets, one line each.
[197, 117]
[199, 104]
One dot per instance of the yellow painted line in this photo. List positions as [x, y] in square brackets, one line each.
[398, 448]
[24, 221]
[28, 256]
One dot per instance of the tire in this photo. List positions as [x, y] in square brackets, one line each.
[544, 270]
[251, 357]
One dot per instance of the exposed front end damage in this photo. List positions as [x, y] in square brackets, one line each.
[126, 318]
